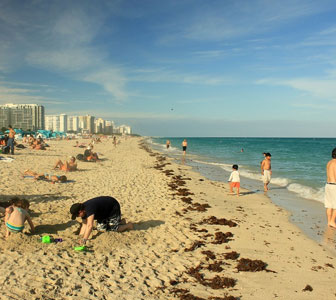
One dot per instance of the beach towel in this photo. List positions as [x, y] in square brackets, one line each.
[6, 159]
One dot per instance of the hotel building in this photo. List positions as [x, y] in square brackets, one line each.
[22, 116]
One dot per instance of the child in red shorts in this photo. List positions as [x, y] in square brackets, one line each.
[234, 179]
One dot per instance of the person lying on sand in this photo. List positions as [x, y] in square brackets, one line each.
[67, 166]
[104, 209]
[47, 177]
[79, 145]
[16, 215]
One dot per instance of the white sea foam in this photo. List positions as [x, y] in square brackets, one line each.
[299, 189]
[307, 192]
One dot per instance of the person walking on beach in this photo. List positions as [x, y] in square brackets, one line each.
[104, 209]
[11, 137]
[330, 191]
[266, 170]
[168, 144]
[184, 146]
[234, 179]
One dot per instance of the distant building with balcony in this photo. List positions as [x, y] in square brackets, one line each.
[124, 129]
[73, 123]
[24, 116]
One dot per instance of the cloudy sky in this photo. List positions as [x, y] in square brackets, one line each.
[176, 68]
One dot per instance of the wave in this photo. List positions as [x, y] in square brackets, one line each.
[307, 192]
[302, 191]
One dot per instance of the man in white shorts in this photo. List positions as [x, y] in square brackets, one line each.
[266, 170]
[330, 191]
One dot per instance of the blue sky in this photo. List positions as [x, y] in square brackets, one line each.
[176, 68]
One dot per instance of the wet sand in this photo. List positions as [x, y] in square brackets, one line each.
[191, 240]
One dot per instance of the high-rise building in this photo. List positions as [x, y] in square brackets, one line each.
[124, 129]
[86, 123]
[63, 123]
[73, 123]
[109, 125]
[100, 125]
[52, 122]
[24, 116]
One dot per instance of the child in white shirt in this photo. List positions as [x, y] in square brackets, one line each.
[234, 179]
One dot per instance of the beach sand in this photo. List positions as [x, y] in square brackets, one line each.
[174, 251]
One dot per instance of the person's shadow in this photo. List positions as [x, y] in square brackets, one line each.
[147, 224]
[52, 229]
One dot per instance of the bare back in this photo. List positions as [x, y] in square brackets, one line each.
[331, 171]
[17, 216]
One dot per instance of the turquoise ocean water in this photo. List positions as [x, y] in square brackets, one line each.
[298, 165]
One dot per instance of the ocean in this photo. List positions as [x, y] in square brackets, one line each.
[298, 167]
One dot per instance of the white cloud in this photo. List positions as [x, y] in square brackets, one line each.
[222, 20]
[62, 39]
[112, 80]
[163, 75]
[24, 95]
[320, 88]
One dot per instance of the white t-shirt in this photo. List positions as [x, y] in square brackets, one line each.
[234, 177]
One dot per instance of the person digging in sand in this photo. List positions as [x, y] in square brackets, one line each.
[104, 209]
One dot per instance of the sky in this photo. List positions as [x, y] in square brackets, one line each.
[185, 68]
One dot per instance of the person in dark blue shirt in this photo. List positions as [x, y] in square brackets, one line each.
[104, 209]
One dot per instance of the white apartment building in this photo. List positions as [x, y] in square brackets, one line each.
[124, 129]
[100, 125]
[63, 123]
[86, 123]
[24, 116]
[73, 123]
[52, 122]
[109, 126]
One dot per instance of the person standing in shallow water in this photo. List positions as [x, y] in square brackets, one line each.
[266, 170]
[184, 146]
[330, 191]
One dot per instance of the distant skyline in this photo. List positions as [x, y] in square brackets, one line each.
[256, 68]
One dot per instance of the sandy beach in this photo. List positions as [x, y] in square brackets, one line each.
[191, 239]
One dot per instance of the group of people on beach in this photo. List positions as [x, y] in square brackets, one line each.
[104, 209]
[184, 145]
[266, 172]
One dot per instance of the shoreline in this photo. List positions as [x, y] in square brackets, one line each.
[177, 249]
[306, 214]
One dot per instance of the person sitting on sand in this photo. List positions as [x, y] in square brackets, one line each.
[37, 145]
[47, 177]
[104, 209]
[67, 166]
[89, 155]
[16, 215]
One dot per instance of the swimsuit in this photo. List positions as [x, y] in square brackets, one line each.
[330, 196]
[267, 176]
[13, 228]
[184, 148]
[109, 224]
